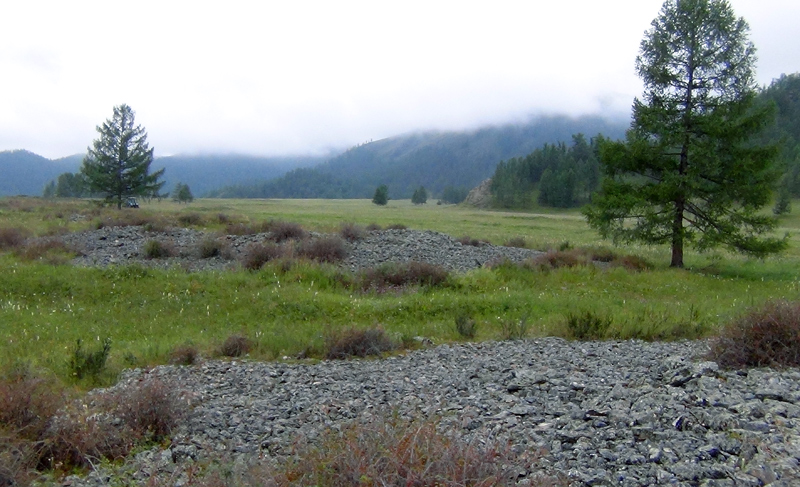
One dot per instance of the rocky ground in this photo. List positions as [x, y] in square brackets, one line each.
[604, 413]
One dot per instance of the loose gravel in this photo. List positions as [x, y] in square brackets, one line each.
[605, 413]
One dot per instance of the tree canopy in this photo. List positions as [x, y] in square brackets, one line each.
[117, 165]
[688, 171]
[381, 196]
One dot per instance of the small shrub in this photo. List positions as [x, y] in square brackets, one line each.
[765, 336]
[373, 227]
[27, 401]
[223, 218]
[281, 231]
[564, 246]
[89, 363]
[240, 229]
[151, 409]
[400, 275]
[517, 242]
[236, 346]
[396, 226]
[474, 242]
[514, 329]
[50, 250]
[393, 451]
[11, 238]
[357, 342]
[256, 255]
[558, 259]
[466, 326]
[602, 255]
[189, 219]
[587, 326]
[211, 247]
[352, 232]
[156, 249]
[632, 263]
[184, 355]
[324, 249]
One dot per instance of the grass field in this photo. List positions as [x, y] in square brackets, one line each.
[45, 309]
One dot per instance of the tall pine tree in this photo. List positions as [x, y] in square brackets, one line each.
[688, 172]
[117, 165]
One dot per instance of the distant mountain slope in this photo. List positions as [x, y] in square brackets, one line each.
[431, 159]
[26, 173]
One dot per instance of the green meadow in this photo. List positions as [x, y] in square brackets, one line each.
[287, 311]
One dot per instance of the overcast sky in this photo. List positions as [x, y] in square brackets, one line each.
[296, 77]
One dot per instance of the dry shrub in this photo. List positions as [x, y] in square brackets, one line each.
[325, 249]
[392, 451]
[256, 255]
[396, 226]
[474, 242]
[557, 259]
[587, 326]
[11, 238]
[632, 263]
[518, 242]
[157, 249]
[766, 336]
[133, 218]
[27, 401]
[184, 355]
[211, 247]
[400, 275]
[352, 232]
[113, 423]
[373, 227]
[281, 231]
[466, 326]
[358, 342]
[189, 219]
[52, 251]
[241, 229]
[236, 346]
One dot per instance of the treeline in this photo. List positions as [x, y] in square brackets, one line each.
[554, 175]
[785, 93]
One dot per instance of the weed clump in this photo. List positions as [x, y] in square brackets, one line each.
[557, 259]
[587, 326]
[88, 363]
[358, 342]
[236, 346]
[184, 355]
[396, 226]
[514, 329]
[256, 255]
[466, 326]
[517, 242]
[156, 249]
[400, 275]
[281, 231]
[474, 242]
[389, 450]
[11, 238]
[352, 232]
[764, 337]
[211, 247]
[52, 251]
[324, 249]
[190, 219]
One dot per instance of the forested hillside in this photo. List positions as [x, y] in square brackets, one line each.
[435, 160]
[559, 175]
[26, 173]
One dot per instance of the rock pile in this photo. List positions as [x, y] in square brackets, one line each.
[604, 413]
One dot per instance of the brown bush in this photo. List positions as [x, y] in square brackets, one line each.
[396, 226]
[236, 346]
[556, 259]
[325, 249]
[352, 232]
[357, 342]
[281, 231]
[211, 247]
[400, 275]
[373, 227]
[27, 402]
[518, 242]
[157, 249]
[632, 263]
[765, 336]
[184, 355]
[256, 255]
[189, 219]
[133, 218]
[11, 238]
[467, 240]
[397, 452]
[152, 409]
[52, 251]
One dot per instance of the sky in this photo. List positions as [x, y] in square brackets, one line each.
[308, 77]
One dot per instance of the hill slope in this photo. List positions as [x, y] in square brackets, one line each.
[431, 159]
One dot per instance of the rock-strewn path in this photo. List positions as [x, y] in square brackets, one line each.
[607, 413]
